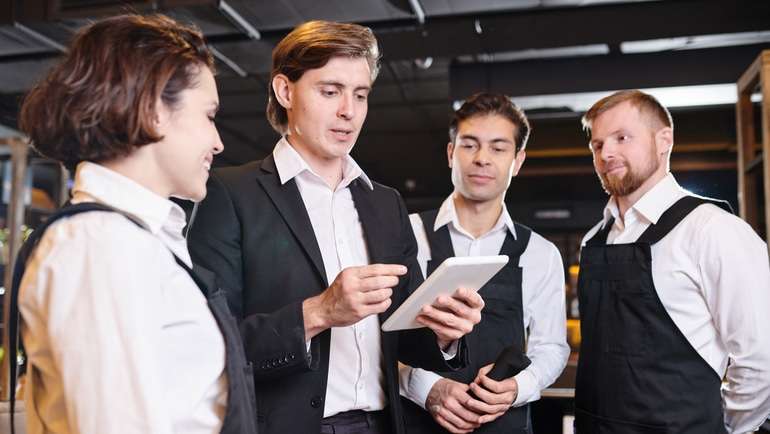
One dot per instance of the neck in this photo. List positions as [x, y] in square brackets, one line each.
[477, 217]
[626, 202]
[329, 169]
[140, 168]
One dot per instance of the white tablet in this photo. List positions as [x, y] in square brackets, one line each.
[470, 272]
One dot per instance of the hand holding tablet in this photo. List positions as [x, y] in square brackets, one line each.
[470, 272]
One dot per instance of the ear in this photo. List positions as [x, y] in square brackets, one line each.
[450, 150]
[162, 117]
[282, 87]
[664, 140]
[518, 161]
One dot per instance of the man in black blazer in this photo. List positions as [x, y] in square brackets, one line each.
[314, 255]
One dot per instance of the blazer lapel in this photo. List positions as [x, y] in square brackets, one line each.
[376, 243]
[288, 201]
[370, 221]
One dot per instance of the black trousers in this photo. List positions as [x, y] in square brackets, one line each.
[357, 422]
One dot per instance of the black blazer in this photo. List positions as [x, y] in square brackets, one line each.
[256, 235]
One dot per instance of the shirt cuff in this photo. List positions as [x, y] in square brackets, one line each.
[419, 385]
[528, 388]
[451, 352]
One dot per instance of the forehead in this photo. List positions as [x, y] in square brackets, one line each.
[349, 71]
[489, 126]
[204, 86]
[624, 116]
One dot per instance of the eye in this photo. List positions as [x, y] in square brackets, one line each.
[328, 92]
[361, 97]
[623, 138]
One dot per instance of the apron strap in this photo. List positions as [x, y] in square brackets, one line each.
[439, 240]
[520, 243]
[600, 237]
[675, 214]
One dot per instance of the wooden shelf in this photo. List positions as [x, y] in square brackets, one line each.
[753, 156]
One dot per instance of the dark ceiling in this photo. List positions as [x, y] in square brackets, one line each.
[545, 54]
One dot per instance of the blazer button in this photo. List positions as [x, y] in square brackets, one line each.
[316, 401]
[291, 356]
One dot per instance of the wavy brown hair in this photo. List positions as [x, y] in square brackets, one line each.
[310, 46]
[485, 104]
[99, 102]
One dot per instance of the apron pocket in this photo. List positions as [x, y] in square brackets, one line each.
[627, 328]
[589, 423]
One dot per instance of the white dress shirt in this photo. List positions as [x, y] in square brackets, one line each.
[543, 301]
[118, 337]
[712, 275]
[355, 375]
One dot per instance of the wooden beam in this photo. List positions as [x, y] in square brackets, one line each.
[583, 151]
[587, 169]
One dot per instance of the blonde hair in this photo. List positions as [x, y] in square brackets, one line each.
[645, 103]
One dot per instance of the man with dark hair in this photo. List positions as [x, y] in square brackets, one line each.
[524, 302]
[673, 292]
[315, 255]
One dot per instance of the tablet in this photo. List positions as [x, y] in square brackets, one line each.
[470, 272]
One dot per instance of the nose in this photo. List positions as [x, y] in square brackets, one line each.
[218, 145]
[346, 109]
[608, 151]
[482, 156]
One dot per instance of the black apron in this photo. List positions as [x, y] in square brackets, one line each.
[637, 373]
[240, 415]
[501, 326]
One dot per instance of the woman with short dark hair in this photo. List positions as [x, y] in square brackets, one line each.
[121, 335]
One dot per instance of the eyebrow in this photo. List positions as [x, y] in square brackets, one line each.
[476, 139]
[340, 85]
[614, 133]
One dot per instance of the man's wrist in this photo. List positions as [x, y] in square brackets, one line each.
[314, 317]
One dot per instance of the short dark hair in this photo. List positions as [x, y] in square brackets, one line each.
[644, 102]
[485, 104]
[99, 102]
[310, 46]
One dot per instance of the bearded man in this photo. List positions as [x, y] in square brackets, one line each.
[673, 292]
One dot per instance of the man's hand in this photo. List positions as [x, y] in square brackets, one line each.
[494, 397]
[356, 293]
[447, 402]
[453, 317]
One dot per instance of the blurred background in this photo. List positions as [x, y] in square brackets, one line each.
[552, 57]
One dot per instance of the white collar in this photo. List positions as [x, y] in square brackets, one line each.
[94, 182]
[290, 163]
[653, 203]
[448, 214]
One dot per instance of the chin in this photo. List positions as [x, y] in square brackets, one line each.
[198, 196]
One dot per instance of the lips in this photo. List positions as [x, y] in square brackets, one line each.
[614, 168]
[342, 133]
[481, 178]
